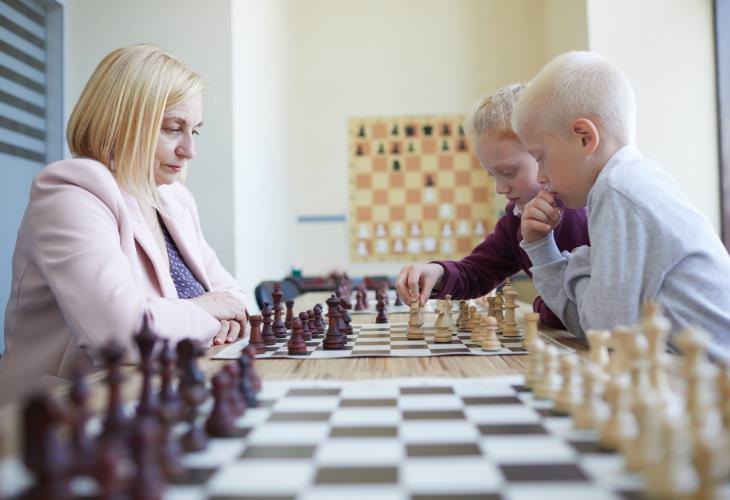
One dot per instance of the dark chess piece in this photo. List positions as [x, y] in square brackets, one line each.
[361, 132]
[220, 422]
[44, 453]
[319, 320]
[333, 338]
[304, 318]
[296, 344]
[345, 327]
[169, 411]
[278, 327]
[193, 391]
[82, 446]
[247, 381]
[256, 339]
[311, 325]
[116, 422]
[360, 298]
[267, 334]
[383, 292]
[381, 307]
[148, 482]
[445, 145]
[289, 313]
[255, 379]
[446, 130]
[236, 402]
[398, 300]
[146, 341]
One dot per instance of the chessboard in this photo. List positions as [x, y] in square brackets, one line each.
[386, 340]
[416, 191]
[394, 439]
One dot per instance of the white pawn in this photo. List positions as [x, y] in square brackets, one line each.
[568, 396]
[592, 411]
[535, 370]
[443, 328]
[489, 339]
[546, 386]
[672, 476]
[645, 450]
[620, 425]
[474, 319]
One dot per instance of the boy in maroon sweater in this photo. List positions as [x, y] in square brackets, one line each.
[515, 173]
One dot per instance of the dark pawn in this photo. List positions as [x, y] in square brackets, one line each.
[380, 307]
[236, 402]
[116, 422]
[44, 453]
[82, 446]
[256, 340]
[255, 379]
[398, 301]
[296, 343]
[360, 300]
[169, 411]
[248, 379]
[304, 318]
[289, 313]
[311, 324]
[148, 482]
[220, 422]
[319, 320]
[267, 334]
[193, 392]
[345, 328]
[333, 339]
[278, 327]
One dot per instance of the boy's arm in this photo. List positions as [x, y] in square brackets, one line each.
[598, 286]
[488, 264]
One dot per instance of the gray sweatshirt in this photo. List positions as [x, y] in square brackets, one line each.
[647, 242]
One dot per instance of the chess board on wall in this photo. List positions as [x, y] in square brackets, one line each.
[416, 190]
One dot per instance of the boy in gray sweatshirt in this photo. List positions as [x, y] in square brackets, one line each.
[648, 242]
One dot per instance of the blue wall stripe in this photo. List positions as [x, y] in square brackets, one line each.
[310, 219]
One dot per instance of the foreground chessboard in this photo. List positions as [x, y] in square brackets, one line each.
[424, 439]
[386, 340]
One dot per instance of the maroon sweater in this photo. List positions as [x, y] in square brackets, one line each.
[500, 256]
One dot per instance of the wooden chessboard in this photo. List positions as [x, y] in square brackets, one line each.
[416, 191]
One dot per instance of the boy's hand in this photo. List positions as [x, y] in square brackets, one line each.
[539, 216]
[415, 282]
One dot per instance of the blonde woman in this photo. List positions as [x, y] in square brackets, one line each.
[111, 236]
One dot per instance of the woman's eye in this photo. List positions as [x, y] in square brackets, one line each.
[169, 129]
[196, 132]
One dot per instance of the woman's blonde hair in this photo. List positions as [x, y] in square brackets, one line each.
[117, 119]
[493, 113]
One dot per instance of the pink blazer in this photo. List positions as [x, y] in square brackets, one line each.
[86, 269]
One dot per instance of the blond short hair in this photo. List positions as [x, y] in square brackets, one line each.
[579, 85]
[493, 114]
[117, 119]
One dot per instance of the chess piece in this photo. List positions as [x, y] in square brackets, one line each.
[147, 482]
[82, 447]
[621, 340]
[592, 411]
[312, 325]
[256, 338]
[169, 410]
[398, 300]
[535, 363]
[672, 476]
[267, 334]
[278, 328]
[509, 326]
[115, 422]
[333, 339]
[656, 328]
[360, 300]
[345, 328]
[289, 313]
[531, 320]
[319, 320]
[415, 322]
[453, 328]
[296, 344]
[490, 342]
[249, 383]
[304, 318]
[462, 320]
[146, 341]
[443, 327]
[44, 452]
[474, 320]
[620, 425]
[220, 422]
[381, 307]
[645, 449]
[568, 396]
[193, 391]
[236, 401]
[598, 344]
[545, 388]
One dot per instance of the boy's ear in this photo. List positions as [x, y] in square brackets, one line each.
[587, 132]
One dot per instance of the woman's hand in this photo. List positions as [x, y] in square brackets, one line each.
[416, 282]
[230, 331]
[222, 306]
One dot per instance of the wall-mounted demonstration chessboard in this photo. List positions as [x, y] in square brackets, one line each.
[416, 190]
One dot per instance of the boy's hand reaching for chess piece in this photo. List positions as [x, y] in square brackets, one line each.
[416, 282]
[539, 216]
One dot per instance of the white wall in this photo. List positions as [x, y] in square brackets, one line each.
[199, 33]
[666, 49]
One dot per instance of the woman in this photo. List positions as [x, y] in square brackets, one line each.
[111, 236]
